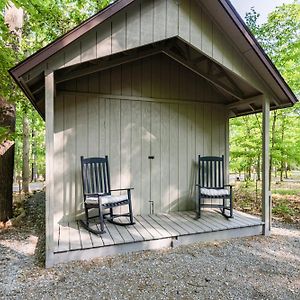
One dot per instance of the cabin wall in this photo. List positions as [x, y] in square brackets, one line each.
[148, 21]
[157, 77]
[172, 126]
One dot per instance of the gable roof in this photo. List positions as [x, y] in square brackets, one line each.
[223, 13]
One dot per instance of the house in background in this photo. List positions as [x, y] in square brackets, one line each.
[141, 80]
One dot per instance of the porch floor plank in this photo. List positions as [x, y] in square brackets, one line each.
[132, 230]
[63, 243]
[202, 224]
[114, 233]
[186, 224]
[209, 222]
[175, 226]
[86, 239]
[150, 232]
[158, 226]
[165, 225]
[75, 241]
[142, 230]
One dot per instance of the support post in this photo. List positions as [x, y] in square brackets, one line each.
[266, 193]
[49, 109]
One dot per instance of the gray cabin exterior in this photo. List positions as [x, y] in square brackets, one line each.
[148, 78]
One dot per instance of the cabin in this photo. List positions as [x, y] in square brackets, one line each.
[151, 84]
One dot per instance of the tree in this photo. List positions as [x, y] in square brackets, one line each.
[280, 38]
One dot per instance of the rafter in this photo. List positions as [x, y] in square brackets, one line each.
[214, 80]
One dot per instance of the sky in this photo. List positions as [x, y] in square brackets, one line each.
[263, 7]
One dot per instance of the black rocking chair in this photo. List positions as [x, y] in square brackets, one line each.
[97, 194]
[212, 192]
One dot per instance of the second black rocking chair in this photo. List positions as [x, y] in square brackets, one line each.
[97, 194]
[212, 192]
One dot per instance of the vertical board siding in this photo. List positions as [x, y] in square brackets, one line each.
[136, 155]
[174, 157]
[58, 158]
[159, 20]
[144, 22]
[155, 150]
[146, 150]
[133, 26]
[184, 19]
[157, 77]
[118, 33]
[103, 39]
[129, 132]
[82, 145]
[69, 203]
[147, 22]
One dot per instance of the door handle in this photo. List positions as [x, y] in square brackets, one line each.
[151, 157]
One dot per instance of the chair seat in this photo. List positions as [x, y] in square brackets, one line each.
[214, 192]
[106, 199]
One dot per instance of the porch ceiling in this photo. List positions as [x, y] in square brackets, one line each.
[237, 94]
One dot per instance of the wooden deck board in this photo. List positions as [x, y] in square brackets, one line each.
[132, 230]
[175, 226]
[63, 243]
[163, 233]
[176, 218]
[142, 230]
[151, 232]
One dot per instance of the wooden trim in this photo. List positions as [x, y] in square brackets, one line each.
[49, 107]
[135, 98]
[258, 50]
[266, 193]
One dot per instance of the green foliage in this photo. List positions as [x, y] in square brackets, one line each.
[280, 38]
[286, 191]
[282, 208]
[44, 21]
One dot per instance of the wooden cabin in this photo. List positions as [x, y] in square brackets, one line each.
[143, 79]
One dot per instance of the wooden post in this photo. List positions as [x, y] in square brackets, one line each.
[266, 193]
[49, 108]
[227, 150]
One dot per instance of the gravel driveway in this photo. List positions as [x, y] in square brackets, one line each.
[248, 268]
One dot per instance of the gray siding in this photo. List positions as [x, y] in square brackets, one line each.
[148, 21]
[129, 131]
[156, 77]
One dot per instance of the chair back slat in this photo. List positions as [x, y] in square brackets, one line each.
[95, 175]
[211, 171]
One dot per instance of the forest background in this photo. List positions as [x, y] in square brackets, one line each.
[42, 21]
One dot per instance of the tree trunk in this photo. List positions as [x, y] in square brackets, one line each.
[258, 168]
[272, 145]
[7, 120]
[34, 174]
[26, 148]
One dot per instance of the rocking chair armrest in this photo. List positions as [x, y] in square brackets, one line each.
[125, 189]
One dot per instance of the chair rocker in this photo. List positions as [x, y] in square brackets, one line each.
[97, 194]
[211, 190]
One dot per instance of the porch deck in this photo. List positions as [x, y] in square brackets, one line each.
[73, 242]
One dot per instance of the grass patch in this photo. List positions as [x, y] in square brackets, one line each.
[286, 191]
[285, 201]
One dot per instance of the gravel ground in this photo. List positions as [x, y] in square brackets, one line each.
[248, 268]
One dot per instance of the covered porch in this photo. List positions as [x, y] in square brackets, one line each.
[155, 231]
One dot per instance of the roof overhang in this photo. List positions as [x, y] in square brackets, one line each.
[232, 86]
